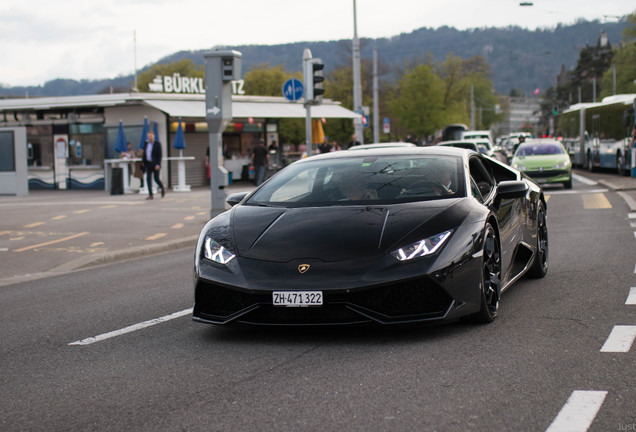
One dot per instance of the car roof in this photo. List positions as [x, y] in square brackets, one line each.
[394, 151]
[382, 145]
[541, 141]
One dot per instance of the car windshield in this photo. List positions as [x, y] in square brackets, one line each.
[539, 149]
[363, 180]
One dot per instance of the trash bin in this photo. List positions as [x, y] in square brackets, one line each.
[117, 181]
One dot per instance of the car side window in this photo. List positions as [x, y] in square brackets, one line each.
[481, 176]
[475, 191]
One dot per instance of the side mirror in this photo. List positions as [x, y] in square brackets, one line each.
[236, 198]
[512, 189]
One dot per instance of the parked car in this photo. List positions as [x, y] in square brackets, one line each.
[545, 160]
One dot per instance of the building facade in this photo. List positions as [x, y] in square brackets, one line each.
[71, 140]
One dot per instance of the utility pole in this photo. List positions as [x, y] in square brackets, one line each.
[357, 86]
[472, 108]
[135, 88]
[376, 109]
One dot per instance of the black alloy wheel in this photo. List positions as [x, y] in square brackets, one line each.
[491, 277]
[540, 264]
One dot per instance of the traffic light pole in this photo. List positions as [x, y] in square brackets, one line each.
[308, 129]
[308, 84]
[313, 77]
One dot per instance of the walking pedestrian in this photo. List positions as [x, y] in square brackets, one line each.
[260, 161]
[354, 141]
[152, 163]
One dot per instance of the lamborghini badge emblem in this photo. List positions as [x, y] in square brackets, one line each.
[303, 268]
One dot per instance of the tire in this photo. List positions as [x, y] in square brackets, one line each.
[568, 184]
[540, 264]
[490, 277]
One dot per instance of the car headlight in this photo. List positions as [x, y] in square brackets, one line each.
[215, 252]
[519, 167]
[562, 165]
[422, 248]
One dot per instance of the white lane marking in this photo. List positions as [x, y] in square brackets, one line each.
[579, 411]
[131, 328]
[576, 192]
[631, 298]
[632, 216]
[585, 180]
[620, 339]
[4, 249]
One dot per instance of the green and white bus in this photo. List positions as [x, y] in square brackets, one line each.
[597, 135]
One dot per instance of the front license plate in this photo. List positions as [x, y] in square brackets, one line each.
[297, 298]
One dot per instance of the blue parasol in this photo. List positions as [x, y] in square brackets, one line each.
[144, 134]
[120, 145]
[154, 130]
[179, 139]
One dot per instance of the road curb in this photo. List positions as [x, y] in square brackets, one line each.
[616, 187]
[631, 202]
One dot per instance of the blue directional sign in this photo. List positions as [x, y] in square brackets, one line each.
[293, 89]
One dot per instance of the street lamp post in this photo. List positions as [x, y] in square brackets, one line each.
[357, 87]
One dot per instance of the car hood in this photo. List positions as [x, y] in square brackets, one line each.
[540, 161]
[337, 233]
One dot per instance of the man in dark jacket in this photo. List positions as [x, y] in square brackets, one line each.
[152, 163]
[260, 161]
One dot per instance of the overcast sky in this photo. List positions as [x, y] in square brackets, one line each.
[41, 40]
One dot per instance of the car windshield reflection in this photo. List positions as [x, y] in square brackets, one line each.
[363, 181]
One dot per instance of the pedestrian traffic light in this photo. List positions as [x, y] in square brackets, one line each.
[555, 110]
[313, 81]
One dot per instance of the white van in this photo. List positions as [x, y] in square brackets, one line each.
[479, 134]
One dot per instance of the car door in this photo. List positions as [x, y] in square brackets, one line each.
[507, 211]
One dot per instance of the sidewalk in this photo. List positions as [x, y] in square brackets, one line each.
[54, 232]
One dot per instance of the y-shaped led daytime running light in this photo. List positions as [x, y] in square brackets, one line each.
[217, 253]
[422, 248]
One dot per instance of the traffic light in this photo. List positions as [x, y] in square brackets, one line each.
[555, 110]
[313, 81]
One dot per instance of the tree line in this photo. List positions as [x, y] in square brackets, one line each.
[601, 70]
[420, 96]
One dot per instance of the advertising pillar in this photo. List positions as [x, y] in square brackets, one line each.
[221, 68]
[60, 143]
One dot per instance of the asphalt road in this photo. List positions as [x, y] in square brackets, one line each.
[114, 348]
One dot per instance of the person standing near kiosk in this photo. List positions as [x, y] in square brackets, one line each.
[151, 159]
